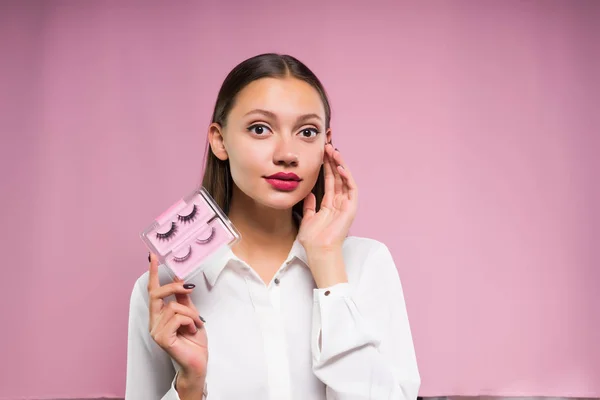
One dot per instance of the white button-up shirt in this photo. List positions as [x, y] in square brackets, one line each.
[288, 339]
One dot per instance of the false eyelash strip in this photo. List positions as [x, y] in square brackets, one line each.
[209, 238]
[167, 235]
[190, 217]
[185, 257]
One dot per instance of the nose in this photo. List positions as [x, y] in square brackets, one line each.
[285, 155]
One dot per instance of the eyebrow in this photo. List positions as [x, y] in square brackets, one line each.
[272, 115]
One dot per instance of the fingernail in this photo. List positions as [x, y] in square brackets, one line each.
[341, 166]
[336, 149]
[149, 257]
[202, 319]
[189, 286]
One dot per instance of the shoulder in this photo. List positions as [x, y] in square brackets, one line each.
[364, 255]
[357, 245]
[363, 248]
[372, 274]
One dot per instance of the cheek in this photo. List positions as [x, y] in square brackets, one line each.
[248, 159]
[317, 157]
[314, 160]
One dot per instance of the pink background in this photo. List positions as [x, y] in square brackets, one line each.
[472, 128]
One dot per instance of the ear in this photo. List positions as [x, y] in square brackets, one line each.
[328, 137]
[217, 141]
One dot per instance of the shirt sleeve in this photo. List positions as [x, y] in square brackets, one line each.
[362, 344]
[150, 372]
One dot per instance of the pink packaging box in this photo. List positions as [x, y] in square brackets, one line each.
[190, 233]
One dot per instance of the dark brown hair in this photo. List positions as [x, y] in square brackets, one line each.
[217, 177]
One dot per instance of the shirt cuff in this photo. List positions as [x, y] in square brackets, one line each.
[172, 393]
[336, 291]
[337, 325]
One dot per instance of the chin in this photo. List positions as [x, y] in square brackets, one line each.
[282, 201]
[274, 199]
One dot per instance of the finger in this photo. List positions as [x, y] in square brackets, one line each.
[177, 308]
[170, 289]
[345, 189]
[310, 205]
[329, 178]
[339, 162]
[153, 281]
[177, 322]
[339, 184]
[154, 305]
[184, 298]
[349, 181]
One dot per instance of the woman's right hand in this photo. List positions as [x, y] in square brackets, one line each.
[176, 326]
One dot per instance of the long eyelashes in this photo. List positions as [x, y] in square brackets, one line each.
[265, 129]
[190, 217]
[199, 240]
[185, 257]
[262, 127]
[174, 229]
[167, 235]
[208, 238]
[207, 234]
[182, 218]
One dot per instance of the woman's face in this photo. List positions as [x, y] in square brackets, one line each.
[275, 126]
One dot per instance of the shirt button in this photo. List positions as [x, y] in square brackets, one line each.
[276, 281]
[327, 293]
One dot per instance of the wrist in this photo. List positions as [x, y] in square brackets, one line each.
[190, 385]
[327, 266]
[328, 252]
[325, 279]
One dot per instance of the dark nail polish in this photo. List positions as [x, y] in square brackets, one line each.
[148, 256]
[189, 286]
[202, 319]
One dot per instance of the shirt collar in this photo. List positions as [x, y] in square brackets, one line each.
[212, 270]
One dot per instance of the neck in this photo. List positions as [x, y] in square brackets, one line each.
[260, 227]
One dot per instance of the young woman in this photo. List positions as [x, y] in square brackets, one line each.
[297, 309]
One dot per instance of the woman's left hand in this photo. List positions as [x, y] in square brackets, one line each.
[322, 233]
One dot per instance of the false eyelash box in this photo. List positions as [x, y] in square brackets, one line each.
[190, 233]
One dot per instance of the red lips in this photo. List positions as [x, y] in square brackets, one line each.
[283, 181]
[289, 176]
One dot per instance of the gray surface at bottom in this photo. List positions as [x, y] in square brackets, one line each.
[424, 398]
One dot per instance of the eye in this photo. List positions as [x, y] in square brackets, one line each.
[307, 132]
[258, 129]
